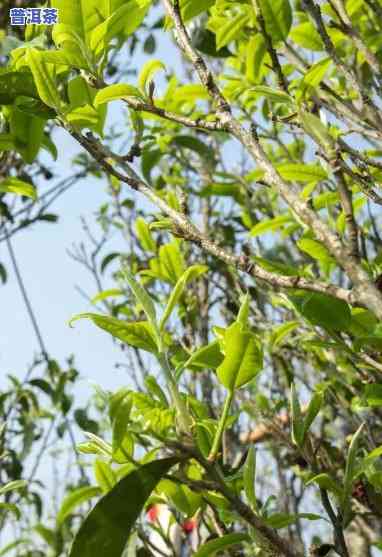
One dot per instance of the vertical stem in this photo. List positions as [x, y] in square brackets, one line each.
[220, 430]
[183, 416]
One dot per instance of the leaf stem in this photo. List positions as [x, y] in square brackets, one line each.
[183, 416]
[221, 426]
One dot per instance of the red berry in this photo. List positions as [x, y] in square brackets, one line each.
[152, 513]
[189, 525]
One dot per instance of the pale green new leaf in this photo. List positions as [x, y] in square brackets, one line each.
[111, 27]
[74, 499]
[306, 35]
[281, 332]
[206, 357]
[172, 261]
[147, 73]
[44, 78]
[191, 273]
[220, 544]
[249, 478]
[274, 95]
[12, 486]
[278, 18]
[243, 358]
[104, 475]
[143, 232]
[243, 315]
[302, 172]
[317, 72]
[192, 8]
[317, 130]
[324, 481]
[270, 225]
[117, 92]
[82, 16]
[120, 405]
[231, 29]
[105, 294]
[139, 334]
[314, 249]
[19, 187]
[142, 297]
[312, 411]
[256, 51]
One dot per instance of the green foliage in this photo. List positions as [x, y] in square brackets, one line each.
[107, 527]
[213, 546]
[257, 169]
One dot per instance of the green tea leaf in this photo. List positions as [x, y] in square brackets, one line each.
[323, 310]
[120, 405]
[282, 520]
[107, 527]
[125, 18]
[16, 84]
[312, 411]
[255, 57]
[317, 130]
[190, 274]
[324, 481]
[373, 394]
[104, 475]
[74, 499]
[13, 486]
[306, 35]
[274, 95]
[116, 92]
[220, 544]
[231, 29]
[270, 225]
[142, 297]
[43, 78]
[147, 73]
[302, 172]
[249, 478]
[14, 185]
[139, 334]
[315, 249]
[277, 17]
[243, 358]
[206, 357]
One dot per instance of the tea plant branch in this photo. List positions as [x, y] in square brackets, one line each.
[199, 123]
[184, 228]
[282, 81]
[268, 539]
[351, 31]
[347, 207]
[341, 547]
[362, 285]
[367, 103]
[26, 299]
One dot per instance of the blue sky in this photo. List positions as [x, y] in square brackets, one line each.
[51, 275]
